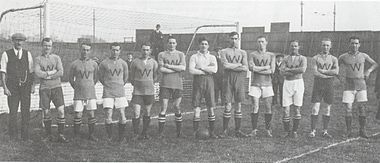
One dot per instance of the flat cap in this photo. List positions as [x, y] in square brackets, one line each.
[18, 36]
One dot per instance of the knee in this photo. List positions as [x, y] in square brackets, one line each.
[327, 111]
[286, 111]
[314, 111]
[108, 120]
[197, 113]
[227, 109]
[297, 112]
[61, 111]
[137, 114]
[78, 115]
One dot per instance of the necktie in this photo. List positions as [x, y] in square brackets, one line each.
[18, 54]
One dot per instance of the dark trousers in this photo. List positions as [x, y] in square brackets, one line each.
[19, 94]
[277, 90]
[219, 90]
[156, 49]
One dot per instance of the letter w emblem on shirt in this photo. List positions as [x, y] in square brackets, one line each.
[172, 62]
[115, 71]
[84, 74]
[261, 62]
[324, 66]
[233, 59]
[146, 72]
[356, 66]
[48, 68]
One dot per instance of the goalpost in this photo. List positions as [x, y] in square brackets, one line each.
[237, 29]
[236, 25]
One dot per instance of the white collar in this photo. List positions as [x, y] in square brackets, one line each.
[15, 50]
[207, 53]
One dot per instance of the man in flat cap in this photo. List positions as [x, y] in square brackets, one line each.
[17, 77]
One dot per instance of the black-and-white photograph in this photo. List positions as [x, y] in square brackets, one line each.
[189, 81]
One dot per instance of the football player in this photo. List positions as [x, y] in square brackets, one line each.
[143, 75]
[113, 74]
[355, 88]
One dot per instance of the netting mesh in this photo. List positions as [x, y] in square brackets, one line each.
[69, 22]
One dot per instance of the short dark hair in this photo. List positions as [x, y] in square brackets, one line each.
[46, 39]
[171, 37]
[201, 39]
[85, 43]
[233, 34]
[129, 53]
[295, 41]
[279, 56]
[158, 25]
[146, 44]
[354, 38]
[261, 36]
[115, 44]
[326, 39]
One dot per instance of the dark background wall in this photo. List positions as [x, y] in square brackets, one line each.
[279, 38]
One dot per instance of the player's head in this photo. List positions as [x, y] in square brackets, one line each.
[115, 50]
[279, 57]
[262, 42]
[294, 47]
[145, 50]
[325, 45]
[17, 40]
[234, 39]
[130, 56]
[354, 43]
[158, 26]
[203, 44]
[172, 43]
[85, 49]
[47, 45]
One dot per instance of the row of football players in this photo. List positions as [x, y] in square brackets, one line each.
[113, 74]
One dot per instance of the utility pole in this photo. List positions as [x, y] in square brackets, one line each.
[93, 26]
[41, 27]
[301, 16]
[334, 13]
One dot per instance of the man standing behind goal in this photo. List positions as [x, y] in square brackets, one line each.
[172, 63]
[235, 67]
[355, 87]
[262, 63]
[83, 77]
[325, 69]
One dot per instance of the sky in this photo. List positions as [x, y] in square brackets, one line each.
[317, 15]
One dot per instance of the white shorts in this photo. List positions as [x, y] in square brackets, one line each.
[293, 92]
[79, 105]
[118, 102]
[263, 92]
[350, 96]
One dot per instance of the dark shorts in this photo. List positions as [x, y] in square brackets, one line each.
[142, 99]
[167, 93]
[54, 95]
[323, 89]
[203, 87]
[234, 87]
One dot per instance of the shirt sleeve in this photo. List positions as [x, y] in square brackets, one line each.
[59, 68]
[3, 62]
[30, 60]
